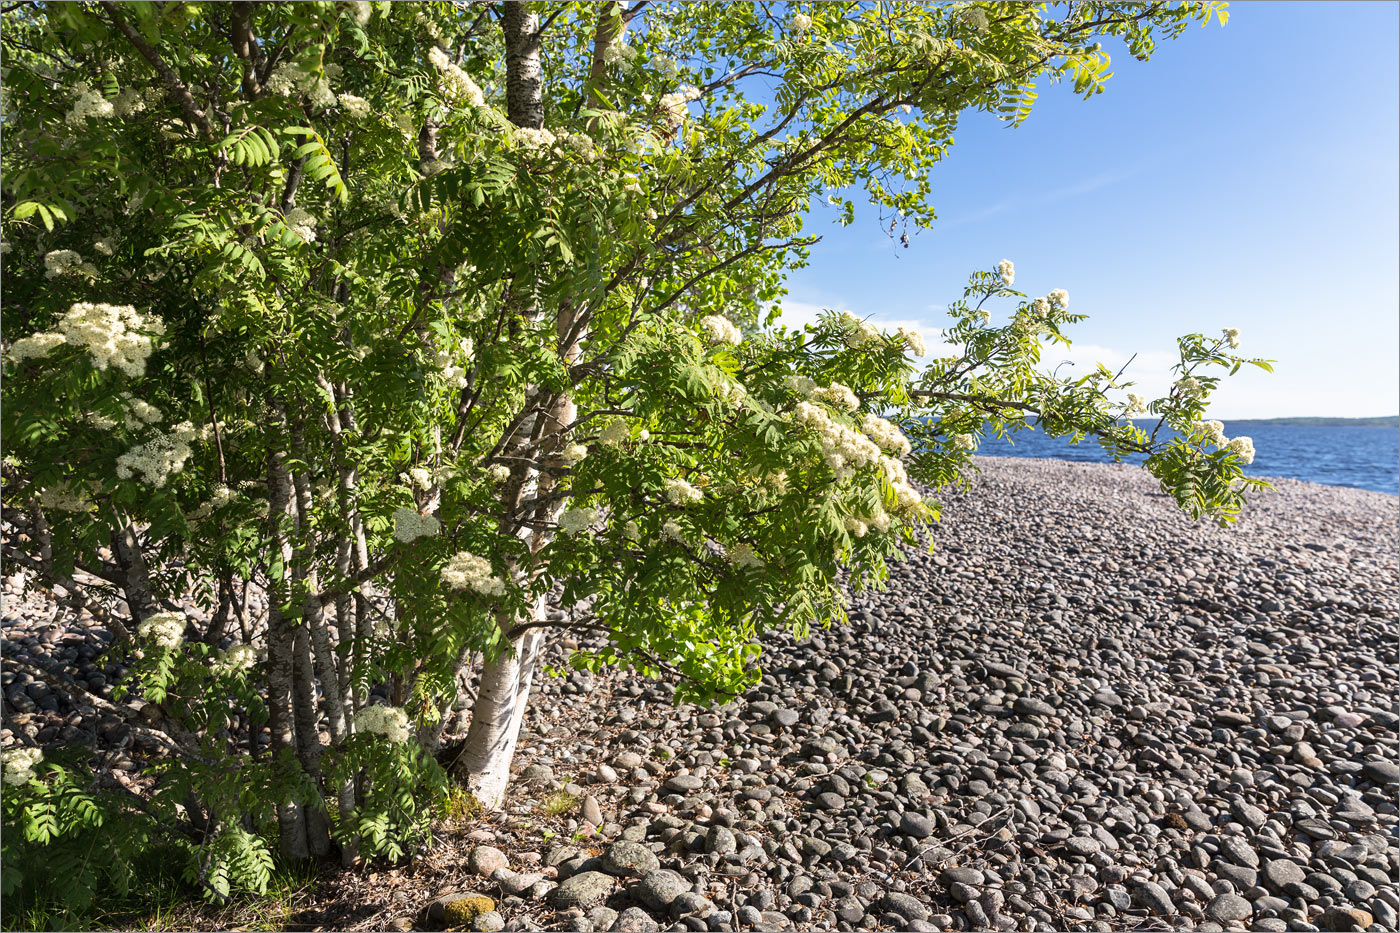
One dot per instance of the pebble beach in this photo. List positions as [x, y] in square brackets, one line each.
[1075, 710]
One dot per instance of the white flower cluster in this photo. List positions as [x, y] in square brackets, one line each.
[1243, 449]
[535, 139]
[131, 101]
[906, 496]
[580, 143]
[1058, 297]
[1041, 307]
[843, 449]
[632, 530]
[456, 84]
[67, 262]
[63, 499]
[615, 433]
[88, 104]
[1191, 387]
[410, 525]
[1137, 405]
[301, 222]
[160, 457]
[885, 433]
[837, 395]
[166, 629]
[573, 453]
[679, 492]
[914, 340]
[577, 520]
[113, 335]
[673, 106]
[666, 65]
[498, 472]
[422, 477]
[858, 332]
[801, 22]
[237, 659]
[34, 346]
[721, 330]
[140, 412]
[106, 246]
[467, 571]
[355, 107]
[743, 556]
[964, 442]
[672, 530]
[1007, 270]
[451, 371]
[1232, 336]
[620, 54]
[20, 764]
[388, 721]
[287, 79]
[1212, 432]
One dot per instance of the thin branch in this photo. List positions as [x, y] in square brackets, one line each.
[177, 87]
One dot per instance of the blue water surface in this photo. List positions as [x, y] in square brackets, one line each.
[1341, 455]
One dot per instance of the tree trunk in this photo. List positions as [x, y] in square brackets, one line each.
[498, 714]
[281, 639]
[309, 741]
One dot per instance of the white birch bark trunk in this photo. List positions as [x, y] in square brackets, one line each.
[281, 639]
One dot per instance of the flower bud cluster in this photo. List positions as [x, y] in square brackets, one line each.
[61, 498]
[20, 763]
[914, 340]
[720, 330]
[1191, 387]
[301, 222]
[1243, 449]
[113, 335]
[62, 262]
[161, 457]
[1007, 270]
[577, 520]
[885, 433]
[165, 629]
[237, 659]
[857, 332]
[679, 492]
[844, 450]
[744, 557]
[88, 104]
[467, 571]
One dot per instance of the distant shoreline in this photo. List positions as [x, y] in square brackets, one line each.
[1388, 421]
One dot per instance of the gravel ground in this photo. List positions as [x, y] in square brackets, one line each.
[1079, 710]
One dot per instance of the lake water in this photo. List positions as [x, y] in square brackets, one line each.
[1360, 457]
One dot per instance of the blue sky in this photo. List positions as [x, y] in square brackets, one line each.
[1245, 177]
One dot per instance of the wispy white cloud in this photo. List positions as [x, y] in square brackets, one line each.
[1078, 189]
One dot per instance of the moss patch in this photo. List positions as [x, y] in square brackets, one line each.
[463, 910]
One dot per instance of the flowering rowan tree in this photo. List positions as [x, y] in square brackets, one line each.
[411, 314]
